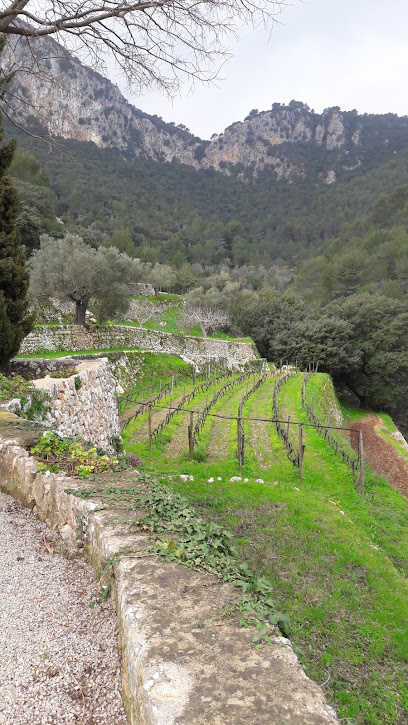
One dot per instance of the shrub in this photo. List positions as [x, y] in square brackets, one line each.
[14, 387]
[74, 457]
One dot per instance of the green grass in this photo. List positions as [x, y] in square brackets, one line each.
[338, 561]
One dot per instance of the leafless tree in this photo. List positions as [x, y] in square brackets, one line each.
[209, 318]
[155, 43]
[142, 311]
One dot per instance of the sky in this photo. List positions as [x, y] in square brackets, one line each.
[352, 54]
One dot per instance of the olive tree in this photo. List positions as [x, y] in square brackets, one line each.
[70, 269]
[161, 276]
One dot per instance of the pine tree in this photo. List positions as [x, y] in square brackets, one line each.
[15, 323]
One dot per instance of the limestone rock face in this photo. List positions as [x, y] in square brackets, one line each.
[70, 100]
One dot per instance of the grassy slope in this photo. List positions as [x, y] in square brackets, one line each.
[338, 562]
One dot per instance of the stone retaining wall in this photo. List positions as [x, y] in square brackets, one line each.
[192, 349]
[183, 663]
[125, 367]
[84, 404]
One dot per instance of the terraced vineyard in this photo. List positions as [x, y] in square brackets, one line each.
[337, 557]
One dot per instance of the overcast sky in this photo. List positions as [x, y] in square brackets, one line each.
[352, 54]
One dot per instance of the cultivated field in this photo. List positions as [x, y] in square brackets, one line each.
[337, 557]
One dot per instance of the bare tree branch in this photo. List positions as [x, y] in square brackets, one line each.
[142, 311]
[155, 43]
[209, 318]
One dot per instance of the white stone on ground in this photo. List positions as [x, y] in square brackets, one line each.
[219, 478]
[235, 479]
[59, 662]
[211, 480]
[259, 480]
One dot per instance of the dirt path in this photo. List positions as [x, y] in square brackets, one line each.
[381, 455]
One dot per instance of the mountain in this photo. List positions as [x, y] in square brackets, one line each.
[53, 90]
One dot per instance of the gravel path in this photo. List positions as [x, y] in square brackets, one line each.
[59, 659]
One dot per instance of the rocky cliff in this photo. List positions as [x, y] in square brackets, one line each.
[70, 100]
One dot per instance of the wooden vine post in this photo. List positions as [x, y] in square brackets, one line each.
[361, 460]
[149, 427]
[239, 441]
[190, 436]
[301, 451]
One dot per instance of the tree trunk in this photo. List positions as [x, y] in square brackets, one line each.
[156, 292]
[80, 312]
[203, 330]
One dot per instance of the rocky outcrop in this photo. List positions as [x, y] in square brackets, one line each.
[54, 89]
[71, 100]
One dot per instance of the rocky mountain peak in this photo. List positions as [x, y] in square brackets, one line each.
[70, 100]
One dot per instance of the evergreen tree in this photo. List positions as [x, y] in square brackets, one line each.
[15, 323]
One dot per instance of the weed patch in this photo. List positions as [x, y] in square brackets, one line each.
[74, 457]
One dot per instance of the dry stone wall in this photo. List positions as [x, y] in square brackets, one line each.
[192, 349]
[84, 404]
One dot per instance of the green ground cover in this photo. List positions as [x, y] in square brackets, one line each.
[338, 561]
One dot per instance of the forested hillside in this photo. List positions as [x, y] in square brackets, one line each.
[170, 210]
